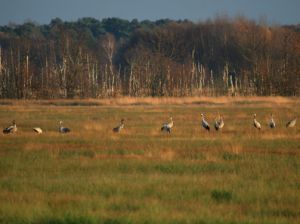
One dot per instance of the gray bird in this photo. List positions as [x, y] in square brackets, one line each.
[62, 129]
[119, 127]
[219, 123]
[256, 123]
[11, 129]
[167, 126]
[291, 123]
[272, 122]
[204, 123]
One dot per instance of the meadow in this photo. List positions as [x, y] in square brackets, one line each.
[141, 175]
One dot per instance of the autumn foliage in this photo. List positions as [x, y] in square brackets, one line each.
[115, 57]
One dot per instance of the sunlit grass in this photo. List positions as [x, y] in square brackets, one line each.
[92, 175]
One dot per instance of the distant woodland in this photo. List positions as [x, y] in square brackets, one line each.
[115, 57]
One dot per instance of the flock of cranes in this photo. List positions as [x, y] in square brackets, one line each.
[166, 127]
[272, 124]
[219, 123]
[13, 129]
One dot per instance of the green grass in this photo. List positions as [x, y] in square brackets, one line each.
[238, 175]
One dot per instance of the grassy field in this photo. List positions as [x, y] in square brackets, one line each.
[91, 175]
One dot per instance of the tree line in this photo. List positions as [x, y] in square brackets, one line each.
[115, 57]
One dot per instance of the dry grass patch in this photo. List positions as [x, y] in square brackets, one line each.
[167, 154]
[92, 126]
[122, 101]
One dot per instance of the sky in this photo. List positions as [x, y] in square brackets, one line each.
[281, 12]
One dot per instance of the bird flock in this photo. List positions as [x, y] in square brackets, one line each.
[166, 127]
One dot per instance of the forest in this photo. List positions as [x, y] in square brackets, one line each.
[113, 57]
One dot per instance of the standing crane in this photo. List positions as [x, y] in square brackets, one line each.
[256, 123]
[272, 122]
[119, 127]
[62, 129]
[167, 126]
[204, 123]
[219, 123]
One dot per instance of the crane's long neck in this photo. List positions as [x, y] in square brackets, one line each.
[254, 118]
[60, 126]
[170, 123]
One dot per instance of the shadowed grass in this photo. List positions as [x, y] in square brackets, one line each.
[221, 195]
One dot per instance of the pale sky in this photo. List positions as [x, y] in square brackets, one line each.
[42, 11]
